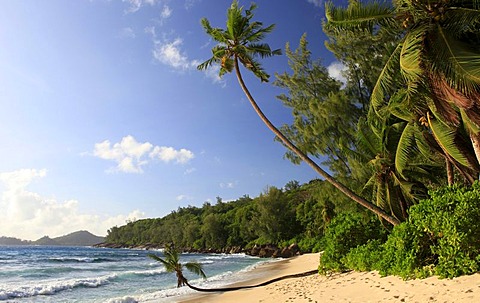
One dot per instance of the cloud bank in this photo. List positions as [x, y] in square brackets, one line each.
[28, 215]
[131, 155]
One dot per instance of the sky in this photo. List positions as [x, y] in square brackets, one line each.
[105, 118]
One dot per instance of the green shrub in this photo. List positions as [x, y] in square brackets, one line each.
[441, 237]
[364, 257]
[405, 252]
[452, 218]
[347, 231]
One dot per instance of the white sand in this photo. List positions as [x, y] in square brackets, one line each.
[347, 287]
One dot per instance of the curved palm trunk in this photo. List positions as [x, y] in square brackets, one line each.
[370, 206]
[450, 178]
[233, 288]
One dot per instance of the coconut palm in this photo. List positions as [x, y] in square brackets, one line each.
[240, 43]
[172, 264]
[437, 54]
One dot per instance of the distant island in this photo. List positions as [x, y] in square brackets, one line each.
[78, 238]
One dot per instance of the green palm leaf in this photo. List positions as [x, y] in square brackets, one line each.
[457, 17]
[457, 61]
[359, 16]
[386, 80]
[168, 266]
[196, 268]
[405, 149]
[411, 56]
[445, 137]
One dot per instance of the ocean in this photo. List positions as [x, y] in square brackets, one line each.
[85, 274]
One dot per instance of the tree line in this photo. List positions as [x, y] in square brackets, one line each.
[296, 213]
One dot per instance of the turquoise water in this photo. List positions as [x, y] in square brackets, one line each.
[84, 274]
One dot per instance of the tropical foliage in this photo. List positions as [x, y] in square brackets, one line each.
[440, 237]
[277, 216]
[171, 262]
[432, 75]
[239, 44]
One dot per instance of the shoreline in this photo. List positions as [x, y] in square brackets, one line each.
[262, 273]
[345, 287]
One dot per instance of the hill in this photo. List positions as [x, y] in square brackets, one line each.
[13, 241]
[78, 238]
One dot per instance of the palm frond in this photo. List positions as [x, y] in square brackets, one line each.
[422, 143]
[234, 19]
[385, 82]
[445, 137]
[206, 64]
[457, 17]
[262, 49]
[411, 56]
[359, 16]
[168, 266]
[456, 61]
[471, 126]
[216, 33]
[405, 149]
[196, 268]
[394, 197]
[255, 32]
[398, 105]
[406, 188]
[381, 196]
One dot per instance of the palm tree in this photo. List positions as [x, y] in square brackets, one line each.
[240, 43]
[172, 264]
[437, 57]
[395, 183]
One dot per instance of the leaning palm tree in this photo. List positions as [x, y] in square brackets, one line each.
[172, 264]
[240, 43]
[437, 54]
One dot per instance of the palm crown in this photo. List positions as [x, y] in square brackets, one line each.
[240, 41]
[172, 264]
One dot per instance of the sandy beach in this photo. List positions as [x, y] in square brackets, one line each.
[346, 287]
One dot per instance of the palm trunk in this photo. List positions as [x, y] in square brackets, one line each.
[475, 138]
[233, 288]
[449, 167]
[349, 193]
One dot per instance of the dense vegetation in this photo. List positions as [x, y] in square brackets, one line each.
[403, 126]
[296, 213]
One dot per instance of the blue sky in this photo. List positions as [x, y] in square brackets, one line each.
[105, 117]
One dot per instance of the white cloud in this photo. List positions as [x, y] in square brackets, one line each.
[28, 215]
[190, 3]
[166, 12]
[131, 155]
[168, 154]
[171, 54]
[212, 73]
[316, 2]
[183, 197]
[336, 70]
[135, 5]
[228, 184]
